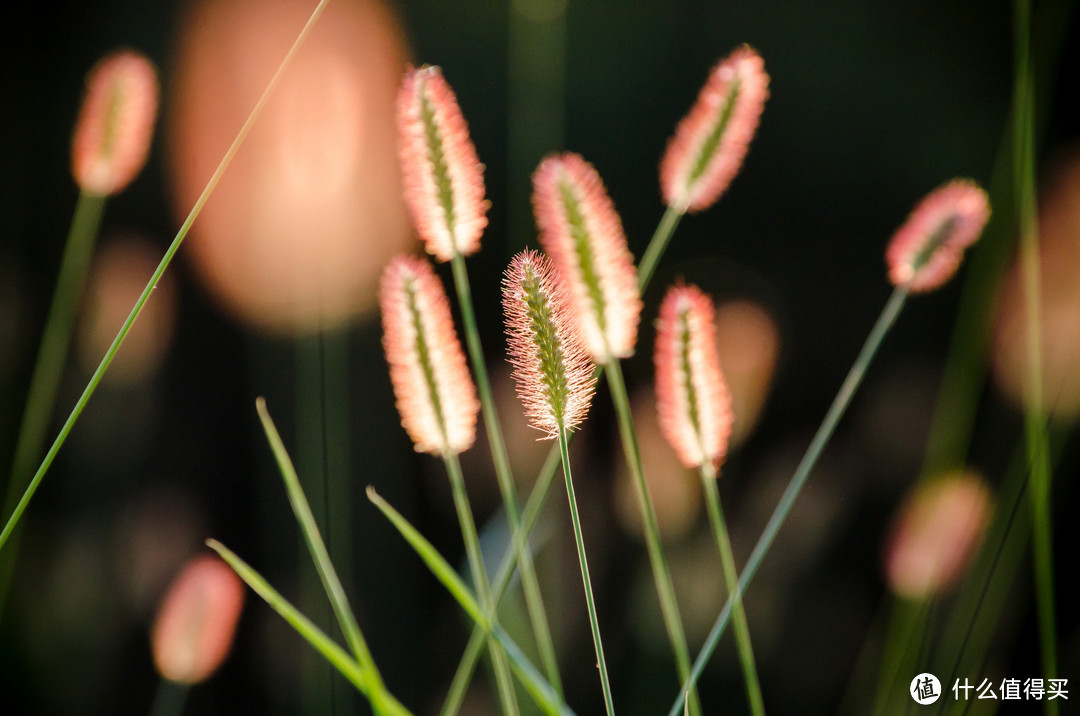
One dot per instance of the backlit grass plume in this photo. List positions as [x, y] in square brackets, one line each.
[552, 370]
[925, 252]
[443, 178]
[116, 122]
[691, 396]
[435, 394]
[711, 141]
[583, 235]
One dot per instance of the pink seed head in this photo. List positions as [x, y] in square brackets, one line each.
[443, 178]
[552, 369]
[692, 397]
[925, 252]
[583, 235]
[115, 124]
[197, 620]
[435, 393]
[711, 141]
[935, 534]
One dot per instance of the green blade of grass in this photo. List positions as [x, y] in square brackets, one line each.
[530, 678]
[170, 252]
[334, 591]
[798, 480]
[331, 651]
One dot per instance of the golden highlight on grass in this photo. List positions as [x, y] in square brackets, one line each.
[692, 398]
[552, 370]
[435, 394]
[582, 233]
[926, 251]
[711, 142]
[116, 122]
[444, 180]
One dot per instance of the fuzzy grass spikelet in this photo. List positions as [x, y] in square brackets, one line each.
[582, 233]
[926, 251]
[435, 393]
[712, 140]
[552, 369]
[443, 178]
[692, 398]
[115, 124]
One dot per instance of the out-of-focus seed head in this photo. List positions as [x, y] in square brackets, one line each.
[552, 369]
[925, 252]
[692, 397]
[936, 533]
[115, 124]
[712, 140]
[435, 393]
[196, 622]
[583, 235]
[443, 178]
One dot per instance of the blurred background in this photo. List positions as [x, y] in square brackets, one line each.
[872, 106]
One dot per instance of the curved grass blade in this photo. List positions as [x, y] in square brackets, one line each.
[530, 678]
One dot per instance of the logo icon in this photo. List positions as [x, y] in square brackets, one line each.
[925, 689]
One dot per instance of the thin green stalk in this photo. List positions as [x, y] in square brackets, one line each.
[534, 602]
[657, 245]
[802, 472]
[538, 496]
[51, 358]
[483, 588]
[319, 554]
[661, 574]
[590, 602]
[530, 678]
[95, 379]
[907, 623]
[338, 657]
[731, 577]
[1034, 413]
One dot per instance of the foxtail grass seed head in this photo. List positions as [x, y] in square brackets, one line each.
[711, 141]
[935, 534]
[583, 235]
[435, 393]
[444, 179]
[925, 252]
[552, 369]
[692, 397]
[115, 124]
[195, 624]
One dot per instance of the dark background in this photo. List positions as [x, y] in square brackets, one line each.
[872, 105]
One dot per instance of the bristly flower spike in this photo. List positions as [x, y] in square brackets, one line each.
[115, 124]
[435, 393]
[925, 252]
[552, 369]
[711, 141]
[584, 237]
[443, 178]
[692, 397]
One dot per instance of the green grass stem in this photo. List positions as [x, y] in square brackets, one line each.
[541, 691]
[170, 252]
[731, 578]
[483, 588]
[590, 601]
[534, 602]
[361, 678]
[665, 589]
[51, 359]
[798, 480]
[1034, 410]
[534, 505]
